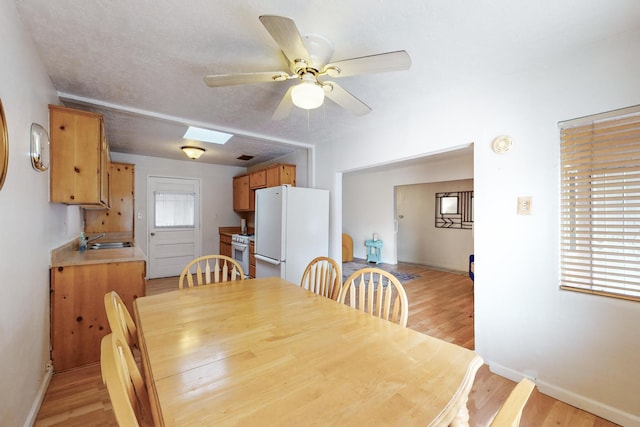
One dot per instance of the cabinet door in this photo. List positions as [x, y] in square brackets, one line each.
[77, 151]
[258, 179]
[281, 174]
[78, 318]
[252, 260]
[225, 245]
[241, 193]
[121, 195]
[105, 172]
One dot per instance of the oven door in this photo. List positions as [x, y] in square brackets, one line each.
[240, 253]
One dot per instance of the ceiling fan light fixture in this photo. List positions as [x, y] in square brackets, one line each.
[193, 152]
[307, 95]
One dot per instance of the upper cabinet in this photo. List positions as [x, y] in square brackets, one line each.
[245, 186]
[120, 216]
[241, 194]
[280, 175]
[80, 158]
[258, 179]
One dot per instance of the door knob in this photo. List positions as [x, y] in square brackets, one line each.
[153, 234]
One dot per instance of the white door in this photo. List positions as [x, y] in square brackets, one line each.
[411, 221]
[175, 234]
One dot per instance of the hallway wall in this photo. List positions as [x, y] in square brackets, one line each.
[419, 241]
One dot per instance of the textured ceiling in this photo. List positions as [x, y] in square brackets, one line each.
[142, 64]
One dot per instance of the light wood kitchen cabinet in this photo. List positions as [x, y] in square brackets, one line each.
[242, 200]
[245, 186]
[225, 245]
[120, 216]
[281, 174]
[79, 158]
[78, 318]
[252, 260]
[258, 179]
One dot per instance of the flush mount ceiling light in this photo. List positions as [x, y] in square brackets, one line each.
[308, 94]
[193, 152]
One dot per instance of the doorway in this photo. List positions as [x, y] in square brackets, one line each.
[421, 239]
[174, 229]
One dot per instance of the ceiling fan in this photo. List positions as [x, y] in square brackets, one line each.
[309, 61]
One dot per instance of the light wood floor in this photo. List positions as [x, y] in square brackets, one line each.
[440, 305]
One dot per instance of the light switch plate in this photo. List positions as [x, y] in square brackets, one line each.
[524, 205]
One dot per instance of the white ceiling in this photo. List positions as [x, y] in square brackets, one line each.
[142, 63]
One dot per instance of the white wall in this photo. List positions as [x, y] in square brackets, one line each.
[216, 193]
[368, 203]
[582, 349]
[419, 240]
[29, 226]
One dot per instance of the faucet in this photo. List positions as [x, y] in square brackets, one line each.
[95, 238]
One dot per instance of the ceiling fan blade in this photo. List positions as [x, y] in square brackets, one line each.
[285, 33]
[390, 61]
[244, 78]
[285, 106]
[346, 100]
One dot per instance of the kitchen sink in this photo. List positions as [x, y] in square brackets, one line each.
[109, 245]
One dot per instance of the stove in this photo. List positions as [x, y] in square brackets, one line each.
[244, 239]
[240, 250]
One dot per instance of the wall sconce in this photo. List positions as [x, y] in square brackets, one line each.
[193, 152]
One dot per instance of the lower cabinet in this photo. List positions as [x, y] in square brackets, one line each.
[78, 318]
[225, 245]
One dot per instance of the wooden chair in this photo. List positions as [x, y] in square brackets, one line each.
[383, 297]
[211, 269]
[322, 276]
[127, 391]
[120, 320]
[510, 412]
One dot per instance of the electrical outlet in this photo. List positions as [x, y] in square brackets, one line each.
[524, 205]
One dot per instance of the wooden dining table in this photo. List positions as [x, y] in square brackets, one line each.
[268, 352]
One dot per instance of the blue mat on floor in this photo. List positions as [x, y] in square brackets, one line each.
[348, 268]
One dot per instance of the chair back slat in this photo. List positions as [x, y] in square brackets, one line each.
[376, 292]
[322, 276]
[119, 318]
[396, 310]
[207, 272]
[210, 269]
[126, 388]
[199, 274]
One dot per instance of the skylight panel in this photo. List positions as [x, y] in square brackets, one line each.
[206, 135]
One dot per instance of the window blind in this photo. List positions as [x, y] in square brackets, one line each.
[600, 205]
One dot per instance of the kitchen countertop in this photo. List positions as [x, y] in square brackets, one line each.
[229, 231]
[68, 254]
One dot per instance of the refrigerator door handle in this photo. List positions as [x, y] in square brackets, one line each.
[267, 260]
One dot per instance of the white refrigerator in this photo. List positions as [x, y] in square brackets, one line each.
[291, 229]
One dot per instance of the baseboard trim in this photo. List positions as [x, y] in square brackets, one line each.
[35, 408]
[582, 402]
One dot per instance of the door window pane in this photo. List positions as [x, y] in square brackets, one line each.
[174, 209]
